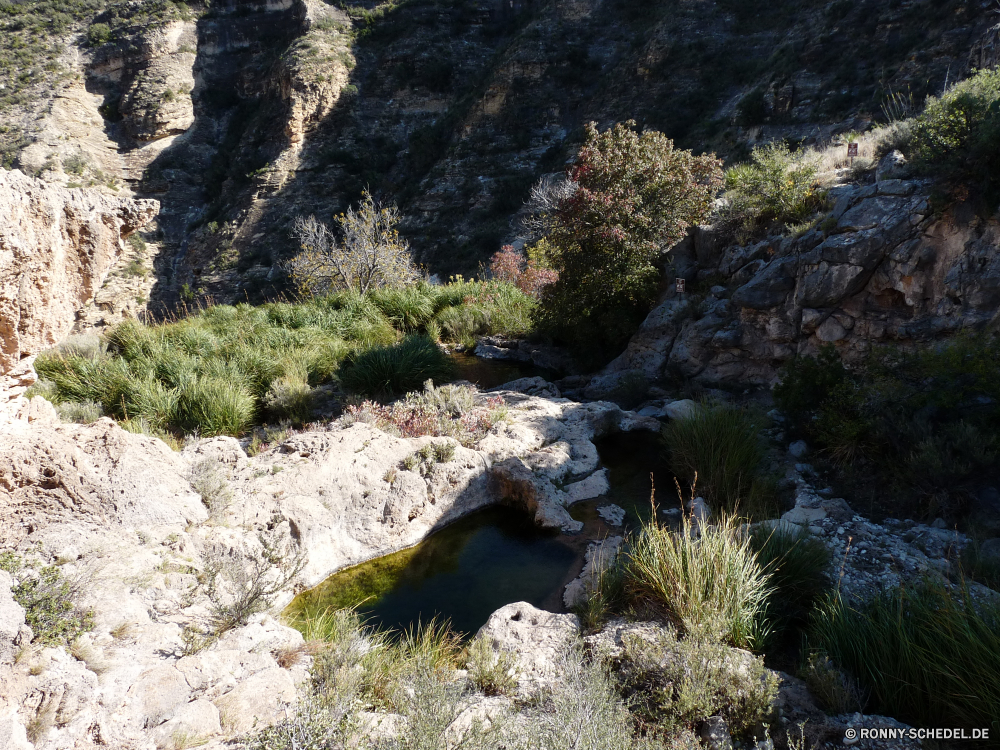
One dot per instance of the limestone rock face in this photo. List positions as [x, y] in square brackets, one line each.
[56, 247]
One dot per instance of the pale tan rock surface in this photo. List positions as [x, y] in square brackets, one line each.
[117, 509]
[56, 247]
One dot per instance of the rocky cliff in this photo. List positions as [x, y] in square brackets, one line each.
[885, 269]
[241, 115]
[56, 248]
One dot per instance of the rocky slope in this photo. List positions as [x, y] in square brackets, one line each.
[884, 269]
[242, 115]
[119, 510]
[56, 248]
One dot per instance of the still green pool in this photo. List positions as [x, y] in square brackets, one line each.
[492, 557]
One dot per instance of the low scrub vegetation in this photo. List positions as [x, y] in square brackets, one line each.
[226, 368]
[923, 421]
[357, 668]
[720, 447]
[51, 601]
[928, 655]
[677, 683]
[243, 582]
[957, 136]
[449, 411]
[775, 189]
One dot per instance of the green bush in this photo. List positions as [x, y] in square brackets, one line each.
[49, 601]
[637, 195]
[958, 134]
[674, 684]
[796, 564]
[926, 420]
[805, 382]
[721, 446]
[709, 584]
[384, 371]
[928, 655]
[773, 190]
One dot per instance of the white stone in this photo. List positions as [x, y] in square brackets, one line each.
[682, 409]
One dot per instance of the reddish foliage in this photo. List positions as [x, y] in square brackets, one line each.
[511, 266]
[410, 419]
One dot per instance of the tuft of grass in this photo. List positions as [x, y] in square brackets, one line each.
[393, 370]
[796, 564]
[492, 671]
[708, 584]
[722, 447]
[928, 655]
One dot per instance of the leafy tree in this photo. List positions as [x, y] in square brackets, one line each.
[369, 255]
[635, 197]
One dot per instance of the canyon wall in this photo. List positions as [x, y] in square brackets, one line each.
[56, 248]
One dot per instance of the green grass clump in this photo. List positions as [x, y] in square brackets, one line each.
[393, 370]
[224, 369]
[722, 447]
[928, 656]
[796, 564]
[710, 585]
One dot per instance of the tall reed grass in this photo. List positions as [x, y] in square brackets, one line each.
[722, 447]
[223, 369]
[928, 655]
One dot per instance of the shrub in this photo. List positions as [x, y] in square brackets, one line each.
[81, 413]
[392, 370]
[243, 584]
[527, 274]
[50, 601]
[835, 690]
[958, 134]
[722, 447]
[430, 413]
[585, 713]
[927, 655]
[208, 479]
[709, 585]
[924, 420]
[370, 255]
[805, 382]
[677, 684]
[775, 187]
[636, 196]
[289, 398]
